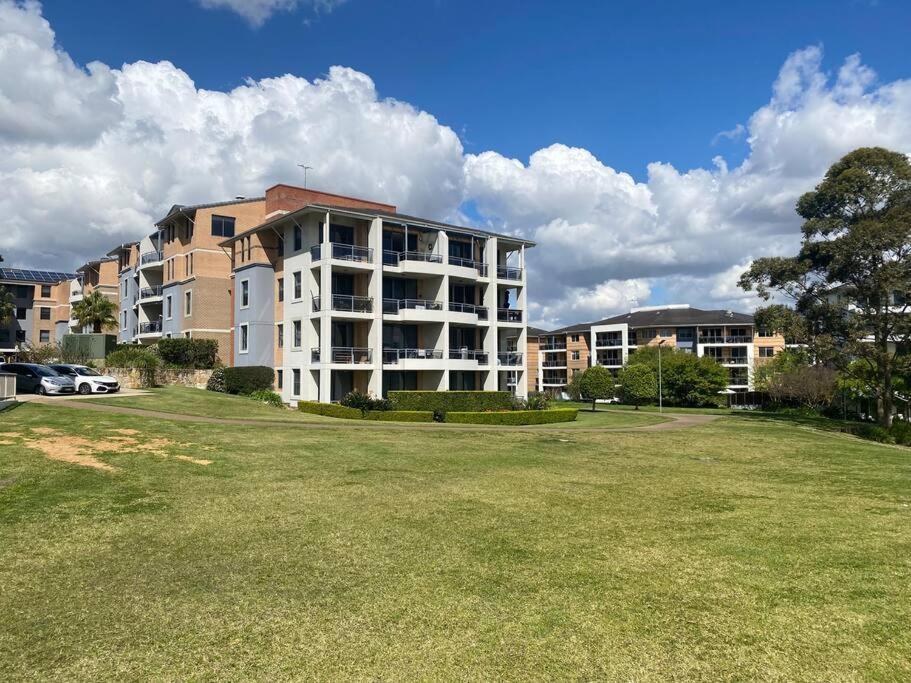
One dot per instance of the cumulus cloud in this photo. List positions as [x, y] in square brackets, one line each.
[257, 12]
[93, 156]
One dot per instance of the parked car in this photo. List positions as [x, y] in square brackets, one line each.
[32, 378]
[87, 380]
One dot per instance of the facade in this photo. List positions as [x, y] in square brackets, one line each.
[98, 275]
[730, 338]
[42, 308]
[338, 293]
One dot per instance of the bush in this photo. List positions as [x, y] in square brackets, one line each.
[538, 401]
[444, 401]
[329, 410]
[638, 384]
[597, 383]
[247, 379]
[686, 379]
[216, 381]
[135, 357]
[400, 416]
[514, 417]
[268, 397]
[901, 432]
[871, 433]
[189, 353]
[364, 402]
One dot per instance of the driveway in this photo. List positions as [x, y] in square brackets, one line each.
[34, 398]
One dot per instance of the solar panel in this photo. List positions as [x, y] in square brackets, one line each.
[23, 275]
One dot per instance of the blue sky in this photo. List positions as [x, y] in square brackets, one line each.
[633, 82]
[596, 129]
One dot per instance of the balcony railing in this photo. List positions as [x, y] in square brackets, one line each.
[509, 315]
[394, 258]
[351, 355]
[729, 339]
[509, 273]
[149, 292]
[469, 263]
[608, 340]
[394, 306]
[346, 303]
[509, 358]
[391, 356]
[459, 307]
[343, 252]
[150, 257]
[552, 346]
[469, 354]
[150, 328]
[314, 355]
[554, 364]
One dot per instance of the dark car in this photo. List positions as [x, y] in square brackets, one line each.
[32, 378]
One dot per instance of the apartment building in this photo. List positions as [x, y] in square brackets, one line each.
[339, 293]
[101, 275]
[730, 338]
[42, 308]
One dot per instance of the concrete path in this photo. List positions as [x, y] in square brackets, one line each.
[675, 420]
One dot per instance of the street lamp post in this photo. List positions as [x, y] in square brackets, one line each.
[660, 402]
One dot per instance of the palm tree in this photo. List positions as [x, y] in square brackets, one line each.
[95, 310]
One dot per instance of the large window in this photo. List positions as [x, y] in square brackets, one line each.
[296, 331]
[223, 226]
[399, 288]
[45, 313]
[244, 293]
[460, 249]
[400, 337]
[296, 382]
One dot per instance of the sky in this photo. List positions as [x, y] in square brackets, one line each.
[651, 149]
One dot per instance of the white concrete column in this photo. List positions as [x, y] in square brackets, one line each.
[443, 345]
[491, 345]
[375, 338]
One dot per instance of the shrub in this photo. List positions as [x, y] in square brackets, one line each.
[597, 384]
[444, 401]
[135, 357]
[901, 432]
[638, 384]
[686, 379]
[538, 401]
[514, 417]
[216, 381]
[400, 416]
[247, 379]
[189, 353]
[364, 402]
[268, 397]
[329, 410]
[871, 433]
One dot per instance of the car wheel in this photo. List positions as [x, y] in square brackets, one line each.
[85, 388]
[40, 390]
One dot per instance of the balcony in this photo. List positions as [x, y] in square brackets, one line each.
[150, 328]
[396, 306]
[509, 273]
[460, 262]
[509, 315]
[554, 363]
[480, 357]
[151, 258]
[344, 355]
[729, 339]
[509, 358]
[394, 356]
[343, 252]
[552, 346]
[470, 311]
[346, 303]
[147, 293]
[608, 340]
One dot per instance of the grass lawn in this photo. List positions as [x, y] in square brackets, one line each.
[743, 549]
[583, 405]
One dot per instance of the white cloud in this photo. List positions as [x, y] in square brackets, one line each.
[257, 12]
[90, 157]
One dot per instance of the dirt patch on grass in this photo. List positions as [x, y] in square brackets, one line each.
[126, 432]
[195, 461]
[72, 449]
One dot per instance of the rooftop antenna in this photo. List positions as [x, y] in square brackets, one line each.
[306, 168]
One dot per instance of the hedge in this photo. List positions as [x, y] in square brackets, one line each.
[445, 401]
[183, 352]
[514, 417]
[328, 409]
[400, 415]
[247, 379]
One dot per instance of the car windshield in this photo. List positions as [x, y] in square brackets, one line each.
[44, 371]
[86, 372]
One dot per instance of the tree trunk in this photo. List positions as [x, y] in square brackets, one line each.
[884, 404]
[593, 404]
[96, 328]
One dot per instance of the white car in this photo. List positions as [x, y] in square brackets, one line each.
[87, 380]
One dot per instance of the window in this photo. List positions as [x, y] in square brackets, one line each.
[222, 226]
[574, 338]
[766, 351]
[665, 332]
[24, 291]
[20, 313]
[280, 331]
[298, 238]
[45, 313]
[44, 336]
[244, 337]
[188, 303]
[123, 289]
[123, 320]
[244, 293]
[279, 379]
[169, 307]
[575, 355]
[45, 291]
[298, 292]
[296, 382]
[763, 332]
[188, 263]
[296, 329]
[281, 288]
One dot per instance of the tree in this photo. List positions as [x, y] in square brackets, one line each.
[596, 384]
[95, 310]
[638, 384]
[7, 308]
[784, 320]
[686, 379]
[851, 279]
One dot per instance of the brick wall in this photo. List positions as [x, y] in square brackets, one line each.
[290, 198]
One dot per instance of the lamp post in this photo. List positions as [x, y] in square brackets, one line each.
[660, 402]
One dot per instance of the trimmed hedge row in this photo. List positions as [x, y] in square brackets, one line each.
[329, 410]
[445, 401]
[400, 415]
[247, 379]
[189, 353]
[514, 417]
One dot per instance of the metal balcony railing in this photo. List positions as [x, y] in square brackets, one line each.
[351, 355]
[394, 258]
[469, 354]
[150, 257]
[509, 273]
[552, 346]
[149, 292]
[459, 307]
[346, 303]
[343, 252]
[554, 364]
[469, 263]
[391, 356]
[150, 328]
[509, 358]
[509, 315]
[608, 340]
[314, 355]
[394, 306]
[729, 339]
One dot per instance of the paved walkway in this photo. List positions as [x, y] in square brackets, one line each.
[675, 420]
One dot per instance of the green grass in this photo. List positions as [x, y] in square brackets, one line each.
[647, 409]
[744, 549]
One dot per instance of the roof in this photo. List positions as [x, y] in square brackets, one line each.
[126, 246]
[38, 276]
[95, 262]
[391, 216]
[178, 209]
[666, 316]
[536, 332]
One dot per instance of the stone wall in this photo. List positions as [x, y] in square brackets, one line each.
[131, 379]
